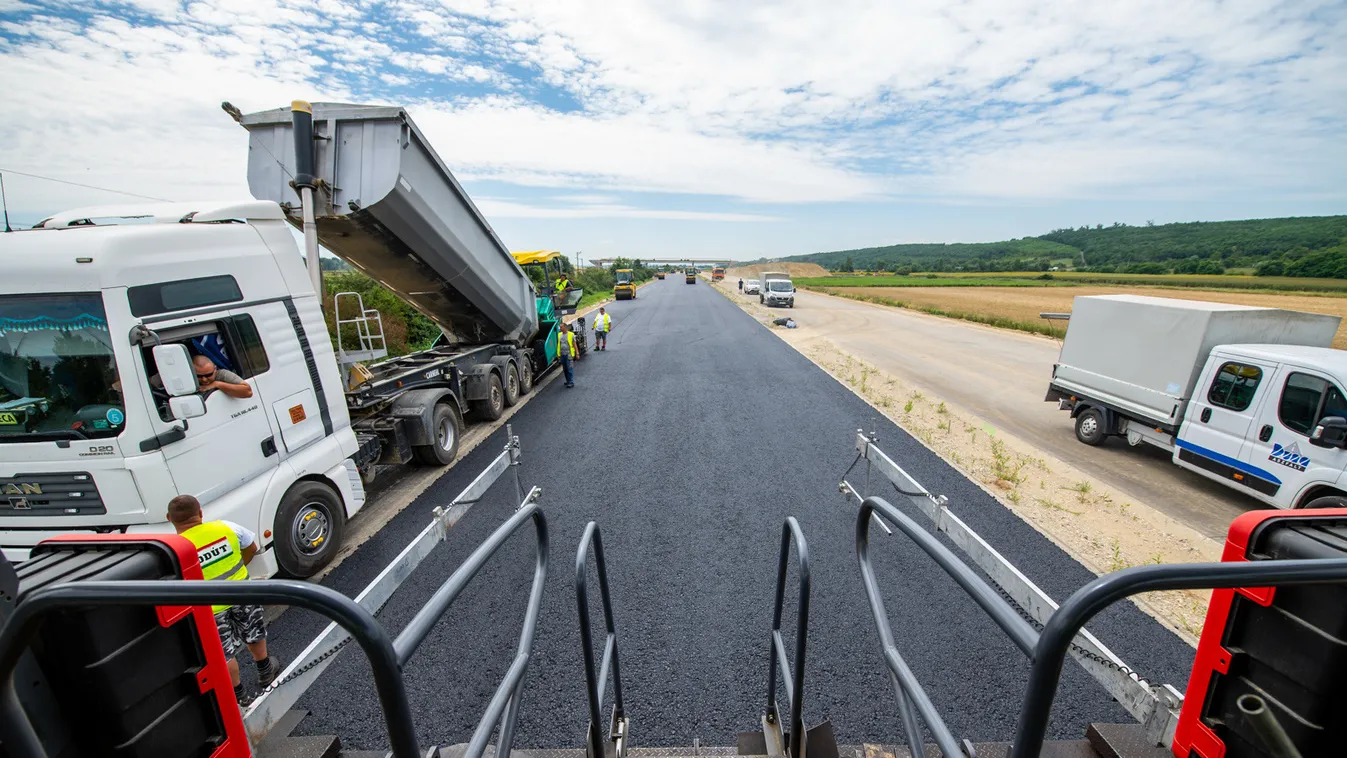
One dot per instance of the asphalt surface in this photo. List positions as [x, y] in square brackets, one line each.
[690, 440]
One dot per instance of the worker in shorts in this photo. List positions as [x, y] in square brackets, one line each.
[603, 323]
[224, 550]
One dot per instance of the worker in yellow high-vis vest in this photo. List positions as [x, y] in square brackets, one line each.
[603, 323]
[224, 550]
[566, 352]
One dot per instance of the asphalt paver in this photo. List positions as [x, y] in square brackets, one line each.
[690, 440]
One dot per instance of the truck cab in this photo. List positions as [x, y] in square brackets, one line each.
[90, 440]
[1263, 420]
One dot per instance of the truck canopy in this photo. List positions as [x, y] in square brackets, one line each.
[387, 204]
[1144, 354]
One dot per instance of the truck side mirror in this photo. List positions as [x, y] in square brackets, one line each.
[186, 406]
[1331, 431]
[175, 370]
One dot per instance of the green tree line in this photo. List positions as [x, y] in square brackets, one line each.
[1301, 246]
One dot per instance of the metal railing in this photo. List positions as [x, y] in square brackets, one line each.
[387, 658]
[369, 329]
[17, 733]
[1156, 707]
[1047, 650]
[503, 708]
[264, 712]
[776, 660]
[596, 682]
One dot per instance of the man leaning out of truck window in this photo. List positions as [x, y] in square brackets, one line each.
[209, 377]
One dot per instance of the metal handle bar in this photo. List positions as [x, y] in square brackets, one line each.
[794, 682]
[17, 633]
[596, 682]
[504, 705]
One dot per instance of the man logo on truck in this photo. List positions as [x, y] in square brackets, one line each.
[1289, 456]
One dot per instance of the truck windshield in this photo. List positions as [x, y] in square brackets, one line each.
[57, 372]
[780, 285]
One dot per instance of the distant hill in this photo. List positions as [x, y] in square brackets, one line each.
[1301, 246]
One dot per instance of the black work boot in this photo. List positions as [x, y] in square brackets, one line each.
[267, 671]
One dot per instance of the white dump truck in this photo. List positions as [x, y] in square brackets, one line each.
[1249, 397]
[102, 419]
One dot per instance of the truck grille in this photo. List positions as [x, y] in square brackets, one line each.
[59, 494]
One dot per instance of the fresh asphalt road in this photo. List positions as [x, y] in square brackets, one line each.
[1001, 376]
[690, 441]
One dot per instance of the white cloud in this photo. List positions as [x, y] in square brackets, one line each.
[769, 102]
[499, 208]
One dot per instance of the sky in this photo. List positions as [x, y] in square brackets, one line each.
[660, 128]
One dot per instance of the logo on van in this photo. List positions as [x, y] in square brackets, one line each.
[1289, 456]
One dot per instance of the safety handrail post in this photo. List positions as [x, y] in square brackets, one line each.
[504, 706]
[1055, 640]
[776, 652]
[17, 633]
[596, 681]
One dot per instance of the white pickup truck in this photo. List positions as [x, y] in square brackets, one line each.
[1249, 397]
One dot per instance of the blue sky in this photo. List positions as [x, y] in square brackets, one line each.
[746, 129]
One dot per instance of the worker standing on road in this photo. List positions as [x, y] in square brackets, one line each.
[224, 550]
[566, 351]
[603, 323]
[741, 285]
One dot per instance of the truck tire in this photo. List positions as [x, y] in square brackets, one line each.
[309, 527]
[493, 406]
[525, 376]
[512, 390]
[1327, 501]
[1090, 427]
[445, 429]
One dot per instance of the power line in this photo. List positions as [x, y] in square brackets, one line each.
[85, 186]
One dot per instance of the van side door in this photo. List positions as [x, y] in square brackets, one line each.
[1281, 440]
[1216, 424]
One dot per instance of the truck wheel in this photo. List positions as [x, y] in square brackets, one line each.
[525, 376]
[1090, 426]
[1327, 501]
[308, 529]
[511, 385]
[493, 406]
[445, 426]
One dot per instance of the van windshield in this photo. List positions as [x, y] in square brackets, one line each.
[780, 285]
[57, 369]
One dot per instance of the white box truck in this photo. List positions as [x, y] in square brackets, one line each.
[101, 420]
[1249, 397]
[777, 289]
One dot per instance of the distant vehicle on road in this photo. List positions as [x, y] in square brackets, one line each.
[751, 287]
[777, 289]
[717, 273]
[690, 276]
[659, 274]
[1249, 397]
[625, 286]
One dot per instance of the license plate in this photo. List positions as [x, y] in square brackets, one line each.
[9, 419]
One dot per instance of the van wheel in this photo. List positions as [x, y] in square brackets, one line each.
[1327, 501]
[1090, 426]
[525, 376]
[445, 426]
[308, 529]
[493, 406]
[512, 389]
